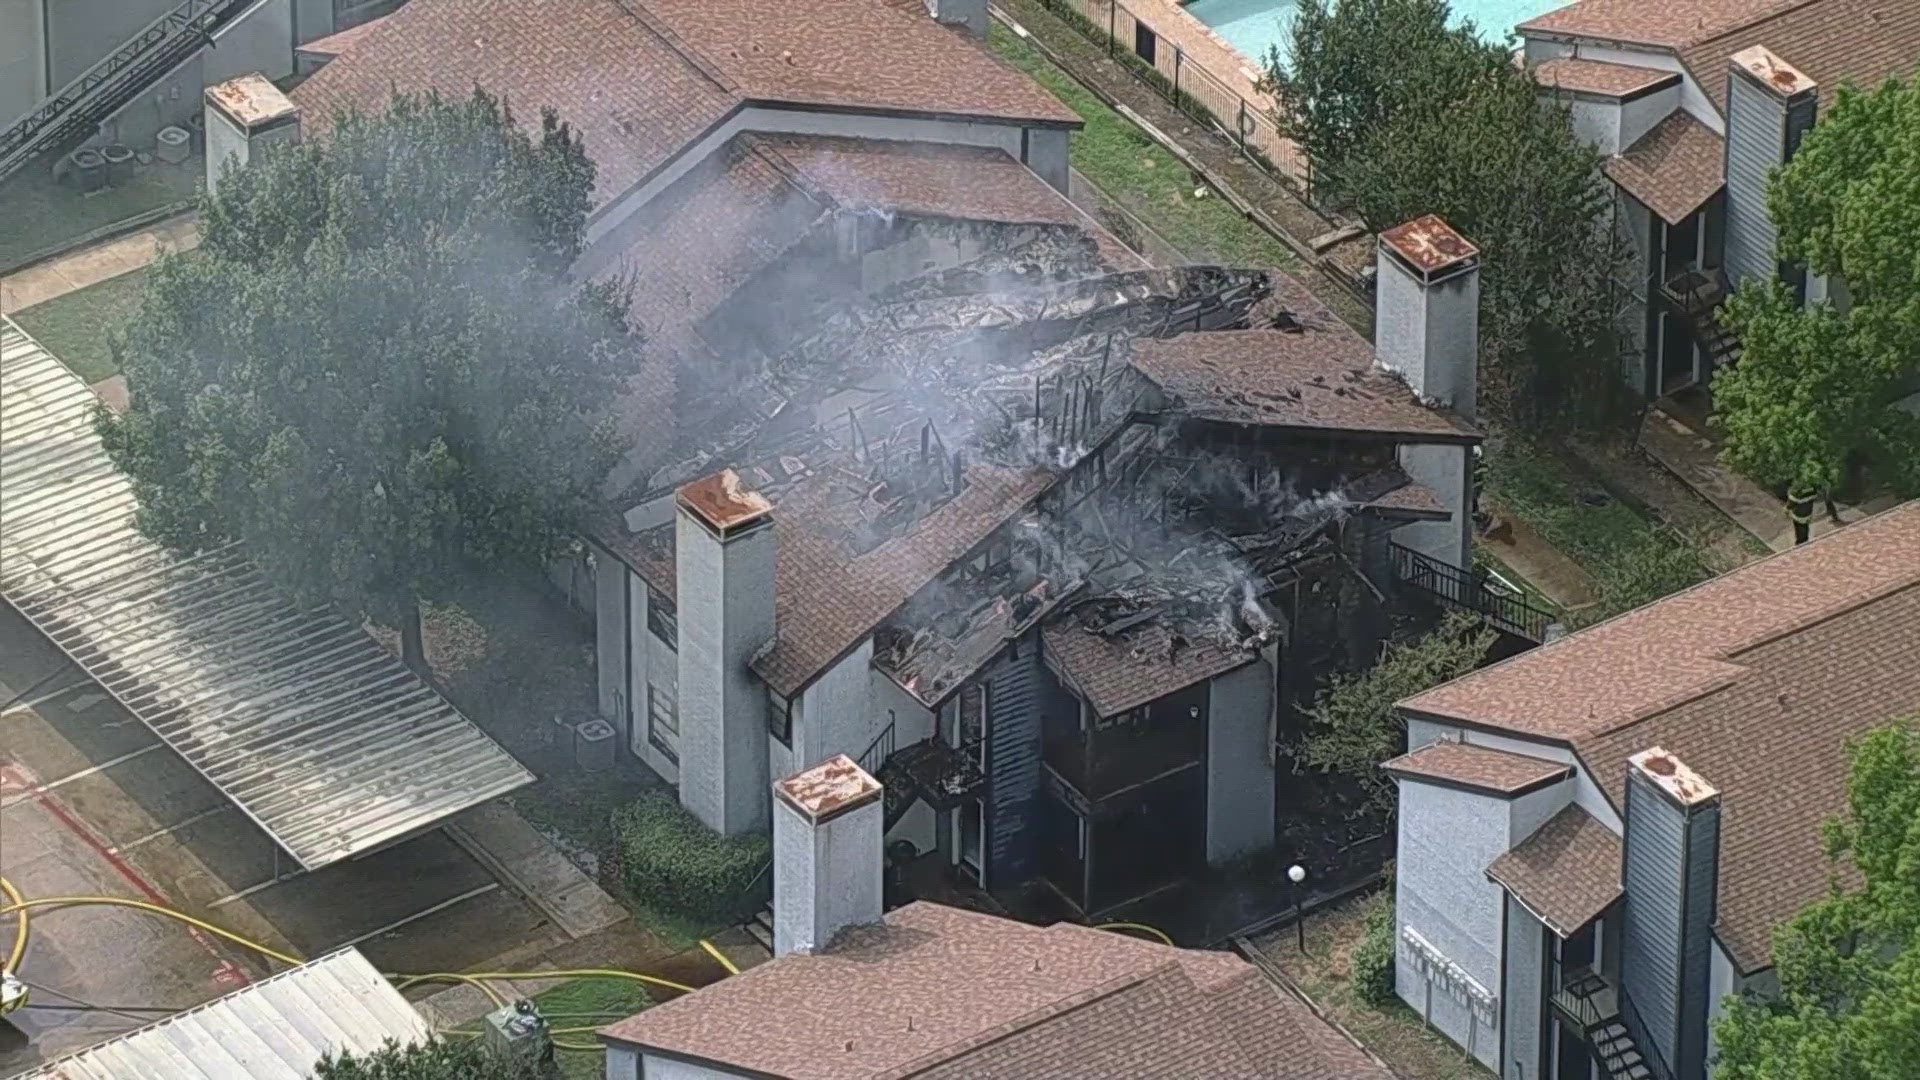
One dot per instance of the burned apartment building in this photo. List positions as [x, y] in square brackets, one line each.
[1051, 541]
[929, 469]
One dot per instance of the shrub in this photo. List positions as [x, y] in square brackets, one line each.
[1373, 957]
[670, 860]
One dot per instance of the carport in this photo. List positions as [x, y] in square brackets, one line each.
[326, 741]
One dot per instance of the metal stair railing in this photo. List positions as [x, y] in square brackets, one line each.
[101, 90]
[1656, 1062]
[1458, 588]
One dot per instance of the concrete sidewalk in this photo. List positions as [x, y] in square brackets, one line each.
[95, 263]
[1693, 455]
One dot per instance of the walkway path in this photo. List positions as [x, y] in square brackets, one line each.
[95, 263]
[1694, 456]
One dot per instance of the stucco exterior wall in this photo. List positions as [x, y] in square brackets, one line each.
[1447, 838]
[609, 636]
[1595, 118]
[912, 722]
[838, 711]
[1722, 980]
[23, 44]
[1536, 49]
[1239, 762]
[1523, 995]
[1586, 794]
[627, 1063]
[1446, 469]
[1638, 116]
[655, 664]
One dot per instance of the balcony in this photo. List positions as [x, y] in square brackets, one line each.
[1109, 760]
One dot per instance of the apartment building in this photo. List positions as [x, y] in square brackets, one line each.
[1598, 838]
[1695, 102]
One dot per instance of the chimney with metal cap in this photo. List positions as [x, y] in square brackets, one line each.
[724, 576]
[827, 827]
[245, 116]
[1671, 873]
[1770, 106]
[1427, 326]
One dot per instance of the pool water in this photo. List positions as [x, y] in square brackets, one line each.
[1254, 26]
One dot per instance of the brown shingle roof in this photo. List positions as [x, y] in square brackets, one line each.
[640, 82]
[977, 183]
[1567, 872]
[634, 100]
[1669, 23]
[829, 596]
[1119, 673]
[1322, 377]
[1674, 168]
[860, 54]
[1598, 77]
[989, 997]
[1657, 657]
[1863, 42]
[1757, 680]
[1833, 41]
[335, 44]
[1468, 765]
[1775, 743]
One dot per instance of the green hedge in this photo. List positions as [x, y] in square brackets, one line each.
[1373, 957]
[669, 860]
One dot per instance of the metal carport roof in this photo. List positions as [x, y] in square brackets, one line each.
[322, 737]
[276, 1029]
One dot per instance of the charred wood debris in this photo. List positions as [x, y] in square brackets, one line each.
[1019, 361]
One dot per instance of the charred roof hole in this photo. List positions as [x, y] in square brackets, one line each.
[1285, 320]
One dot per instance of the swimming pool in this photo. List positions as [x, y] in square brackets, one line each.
[1252, 26]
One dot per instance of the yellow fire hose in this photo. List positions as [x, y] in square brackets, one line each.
[18, 905]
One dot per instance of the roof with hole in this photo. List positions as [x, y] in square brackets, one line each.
[276, 1029]
[320, 736]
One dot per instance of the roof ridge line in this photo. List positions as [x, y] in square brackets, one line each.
[681, 48]
[1009, 1028]
[1783, 8]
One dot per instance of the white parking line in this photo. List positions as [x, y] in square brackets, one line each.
[251, 889]
[39, 789]
[418, 915]
[30, 704]
[158, 833]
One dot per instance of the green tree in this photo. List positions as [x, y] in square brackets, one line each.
[1353, 725]
[1404, 116]
[374, 370]
[441, 1059]
[1813, 392]
[1849, 966]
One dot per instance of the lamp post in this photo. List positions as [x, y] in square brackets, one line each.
[1297, 874]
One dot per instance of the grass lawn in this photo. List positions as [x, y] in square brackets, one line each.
[1634, 558]
[75, 327]
[1325, 974]
[41, 214]
[588, 1003]
[1133, 170]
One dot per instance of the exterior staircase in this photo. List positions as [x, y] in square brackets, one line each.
[1594, 1005]
[74, 113]
[1619, 1056]
[1696, 295]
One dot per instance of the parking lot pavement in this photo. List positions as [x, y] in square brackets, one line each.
[91, 803]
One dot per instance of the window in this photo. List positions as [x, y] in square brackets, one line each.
[780, 719]
[663, 720]
[663, 619]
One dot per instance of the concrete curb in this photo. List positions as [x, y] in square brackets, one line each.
[102, 234]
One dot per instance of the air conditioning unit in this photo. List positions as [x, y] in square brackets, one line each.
[594, 744]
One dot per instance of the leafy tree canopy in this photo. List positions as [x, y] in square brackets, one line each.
[374, 370]
[1849, 966]
[441, 1059]
[1353, 725]
[1813, 391]
[1403, 115]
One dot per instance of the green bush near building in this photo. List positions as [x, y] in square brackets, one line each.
[1373, 957]
[669, 860]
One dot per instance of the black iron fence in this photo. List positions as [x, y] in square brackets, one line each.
[1504, 608]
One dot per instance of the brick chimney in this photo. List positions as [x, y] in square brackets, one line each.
[1427, 326]
[827, 826]
[1770, 105]
[246, 115]
[724, 575]
[1671, 855]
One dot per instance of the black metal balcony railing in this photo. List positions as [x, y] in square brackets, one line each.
[73, 113]
[1101, 763]
[1579, 994]
[1504, 608]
